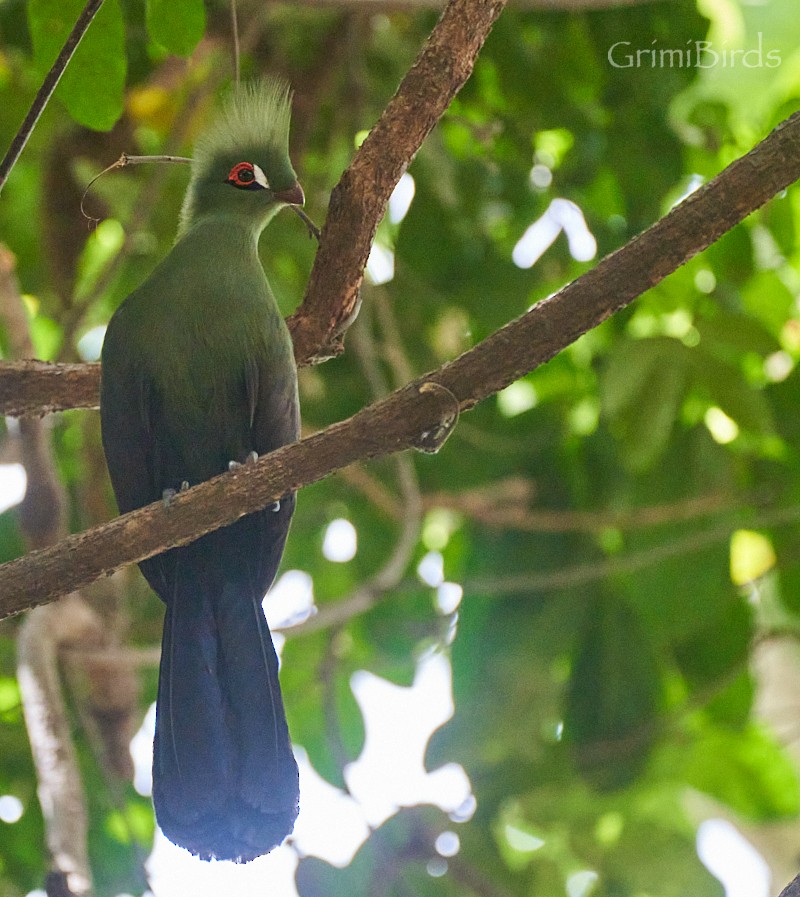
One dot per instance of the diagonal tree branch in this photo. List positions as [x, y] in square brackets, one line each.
[359, 200]
[402, 419]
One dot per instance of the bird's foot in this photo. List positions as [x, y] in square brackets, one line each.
[250, 459]
[168, 494]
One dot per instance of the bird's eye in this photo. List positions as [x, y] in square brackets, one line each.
[247, 176]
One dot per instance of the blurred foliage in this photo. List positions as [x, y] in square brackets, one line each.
[601, 651]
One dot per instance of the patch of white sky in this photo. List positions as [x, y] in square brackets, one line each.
[380, 264]
[340, 542]
[13, 485]
[561, 215]
[732, 859]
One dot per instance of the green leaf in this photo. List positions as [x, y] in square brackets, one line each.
[177, 25]
[614, 694]
[642, 392]
[727, 388]
[93, 84]
[747, 770]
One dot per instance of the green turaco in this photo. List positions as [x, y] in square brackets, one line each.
[198, 373]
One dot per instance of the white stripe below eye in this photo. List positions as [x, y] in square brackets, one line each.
[260, 177]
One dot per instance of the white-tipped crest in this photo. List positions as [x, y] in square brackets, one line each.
[254, 115]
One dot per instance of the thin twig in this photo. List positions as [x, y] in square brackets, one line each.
[313, 230]
[236, 50]
[46, 90]
[505, 504]
[123, 162]
[148, 197]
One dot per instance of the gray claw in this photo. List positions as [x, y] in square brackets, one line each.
[168, 494]
[251, 458]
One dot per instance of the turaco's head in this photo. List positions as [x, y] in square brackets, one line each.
[241, 163]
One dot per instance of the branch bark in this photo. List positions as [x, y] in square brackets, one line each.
[398, 421]
[33, 387]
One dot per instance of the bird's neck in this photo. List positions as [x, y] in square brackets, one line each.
[194, 215]
[221, 225]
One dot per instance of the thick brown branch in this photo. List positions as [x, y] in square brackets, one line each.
[388, 426]
[39, 387]
[359, 199]
[397, 422]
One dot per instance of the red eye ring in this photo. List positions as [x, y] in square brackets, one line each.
[243, 175]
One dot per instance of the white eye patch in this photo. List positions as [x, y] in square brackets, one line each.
[260, 177]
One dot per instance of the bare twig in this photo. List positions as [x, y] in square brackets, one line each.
[123, 162]
[46, 90]
[147, 199]
[313, 230]
[504, 504]
[581, 574]
[235, 36]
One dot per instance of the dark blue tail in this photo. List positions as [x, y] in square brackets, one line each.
[225, 782]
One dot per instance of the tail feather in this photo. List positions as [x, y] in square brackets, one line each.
[225, 781]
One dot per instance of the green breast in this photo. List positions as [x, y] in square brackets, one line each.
[204, 318]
